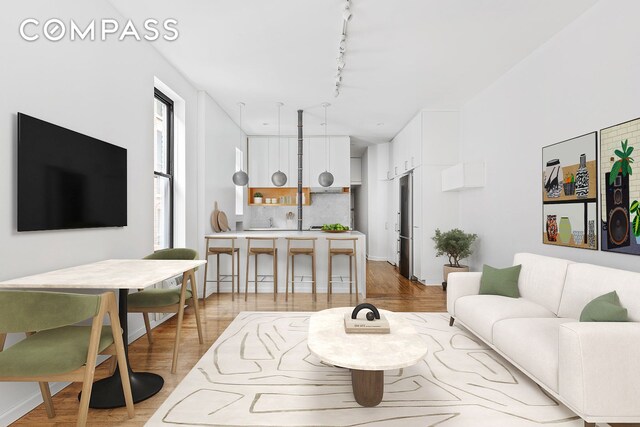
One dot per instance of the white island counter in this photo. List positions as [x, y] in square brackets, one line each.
[303, 263]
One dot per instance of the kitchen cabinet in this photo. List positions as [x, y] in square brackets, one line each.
[258, 167]
[279, 158]
[293, 162]
[356, 170]
[338, 161]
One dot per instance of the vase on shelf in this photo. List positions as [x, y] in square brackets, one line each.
[553, 178]
[564, 230]
[578, 237]
[591, 236]
[582, 178]
[552, 228]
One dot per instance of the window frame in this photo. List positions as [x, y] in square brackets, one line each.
[168, 102]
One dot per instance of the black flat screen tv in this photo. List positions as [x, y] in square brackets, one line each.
[68, 180]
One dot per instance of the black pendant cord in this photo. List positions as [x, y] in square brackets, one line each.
[300, 170]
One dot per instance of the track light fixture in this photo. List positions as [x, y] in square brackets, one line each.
[342, 48]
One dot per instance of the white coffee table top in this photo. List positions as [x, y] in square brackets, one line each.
[109, 274]
[367, 352]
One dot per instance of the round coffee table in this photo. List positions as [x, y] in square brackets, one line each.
[366, 355]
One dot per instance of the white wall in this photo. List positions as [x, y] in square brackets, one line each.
[584, 79]
[377, 200]
[102, 89]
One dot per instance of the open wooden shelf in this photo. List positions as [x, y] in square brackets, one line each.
[276, 193]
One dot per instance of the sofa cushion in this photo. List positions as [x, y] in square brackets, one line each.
[481, 312]
[500, 281]
[532, 344]
[542, 279]
[605, 308]
[587, 281]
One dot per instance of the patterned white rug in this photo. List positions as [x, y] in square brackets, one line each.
[260, 373]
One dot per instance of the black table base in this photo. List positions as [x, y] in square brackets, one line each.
[107, 393]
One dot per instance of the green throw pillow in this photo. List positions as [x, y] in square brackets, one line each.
[500, 281]
[605, 308]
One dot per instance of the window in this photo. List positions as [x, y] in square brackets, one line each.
[239, 188]
[163, 172]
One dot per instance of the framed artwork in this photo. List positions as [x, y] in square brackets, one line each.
[570, 193]
[620, 188]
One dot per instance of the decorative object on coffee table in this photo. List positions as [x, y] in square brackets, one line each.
[574, 161]
[372, 323]
[455, 244]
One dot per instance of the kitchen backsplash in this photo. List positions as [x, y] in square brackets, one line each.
[329, 208]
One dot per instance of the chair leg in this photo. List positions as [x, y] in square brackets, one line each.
[275, 275]
[46, 397]
[329, 272]
[255, 274]
[121, 359]
[147, 326]
[286, 277]
[355, 265]
[218, 272]
[176, 344]
[350, 275]
[194, 301]
[238, 273]
[313, 276]
[233, 267]
[451, 321]
[113, 364]
[293, 274]
[204, 288]
[246, 277]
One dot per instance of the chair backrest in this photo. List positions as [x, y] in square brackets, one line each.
[174, 253]
[30, 311]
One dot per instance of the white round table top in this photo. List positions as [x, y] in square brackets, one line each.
[366, 352]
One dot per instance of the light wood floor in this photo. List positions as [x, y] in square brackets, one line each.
[385, 289]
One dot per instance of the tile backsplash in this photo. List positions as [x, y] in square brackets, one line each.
[327, 208]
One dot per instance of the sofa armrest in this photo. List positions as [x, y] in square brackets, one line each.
[599, 368]
[460, 285]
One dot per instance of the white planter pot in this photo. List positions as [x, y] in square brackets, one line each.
[449, 269]
[257, 200]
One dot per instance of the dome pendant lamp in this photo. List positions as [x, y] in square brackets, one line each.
[326, 178]
[279, 178]
[240, 178]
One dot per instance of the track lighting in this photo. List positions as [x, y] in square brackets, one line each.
[346, 14]
[342, 46]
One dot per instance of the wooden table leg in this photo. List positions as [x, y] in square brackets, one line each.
[368, 387]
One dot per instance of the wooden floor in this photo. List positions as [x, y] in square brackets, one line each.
[385, 289]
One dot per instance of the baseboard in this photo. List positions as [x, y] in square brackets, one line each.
[376, 258]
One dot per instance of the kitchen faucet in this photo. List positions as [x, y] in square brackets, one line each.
[270, 222]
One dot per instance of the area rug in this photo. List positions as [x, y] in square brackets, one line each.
[260, 373]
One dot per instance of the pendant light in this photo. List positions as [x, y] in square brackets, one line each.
[240, 178]
[279, 178]
[326, 178]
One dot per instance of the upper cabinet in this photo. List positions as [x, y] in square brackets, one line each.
[356, 170]
[406, 148]
[266, 157]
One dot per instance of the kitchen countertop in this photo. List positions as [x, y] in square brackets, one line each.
[281, 233]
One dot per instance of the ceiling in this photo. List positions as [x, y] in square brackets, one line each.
[402, 55]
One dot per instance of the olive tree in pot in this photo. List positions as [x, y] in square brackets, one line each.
[456, 244]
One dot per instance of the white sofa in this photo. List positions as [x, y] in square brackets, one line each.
[593, 368]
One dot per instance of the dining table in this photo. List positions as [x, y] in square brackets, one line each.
[121, 275]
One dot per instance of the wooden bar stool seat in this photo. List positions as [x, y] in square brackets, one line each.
[291, 253]
[353, 262]
[255, 251]
[216, 251]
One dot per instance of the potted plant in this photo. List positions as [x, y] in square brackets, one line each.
[257, 198]
[455, 244]
[623, 165]
[635, 209]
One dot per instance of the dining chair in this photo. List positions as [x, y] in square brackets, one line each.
[55, 349]
[351, 253]
[169, 300]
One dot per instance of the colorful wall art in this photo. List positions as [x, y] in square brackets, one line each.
[620, 188]
[570, 193]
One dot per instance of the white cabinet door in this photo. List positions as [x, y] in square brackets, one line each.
[415, 141]
[356, 170]
[340, 164]
[257, 162]
[393, 216]
[278, 159]
[293, 162]
[317, 160]
[382, 161]
[394, 158]
[418, 238]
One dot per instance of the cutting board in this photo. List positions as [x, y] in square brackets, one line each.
[223, 222]
[214, 218]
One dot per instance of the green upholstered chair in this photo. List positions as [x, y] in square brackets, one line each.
[55, 349]
[169, 300]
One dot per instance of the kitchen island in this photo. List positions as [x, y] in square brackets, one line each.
[303, 263]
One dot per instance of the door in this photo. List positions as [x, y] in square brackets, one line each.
[406, 226]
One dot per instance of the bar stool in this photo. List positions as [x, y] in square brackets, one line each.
[235, 263]
[353, 261]
[273, 251]
[291, 253]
